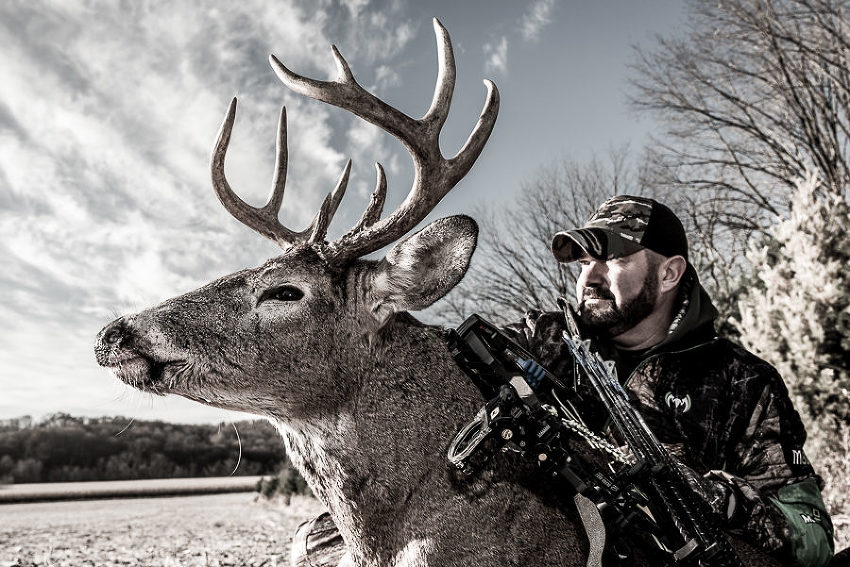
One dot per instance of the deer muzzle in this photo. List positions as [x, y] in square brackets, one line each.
[120, 348]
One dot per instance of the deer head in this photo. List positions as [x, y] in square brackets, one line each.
[276, 339]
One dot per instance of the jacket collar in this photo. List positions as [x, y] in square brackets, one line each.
[693, 323]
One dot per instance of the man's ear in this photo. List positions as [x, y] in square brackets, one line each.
[672, 271]
[422, 268]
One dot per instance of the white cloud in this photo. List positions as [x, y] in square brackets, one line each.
[369, 144]
[379, 35]
[355, 6]
[386, 77]
[536, 18]
[497, 56]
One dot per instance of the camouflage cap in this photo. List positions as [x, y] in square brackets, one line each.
[621, 226]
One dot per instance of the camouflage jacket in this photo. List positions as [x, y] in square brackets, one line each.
[723, 412]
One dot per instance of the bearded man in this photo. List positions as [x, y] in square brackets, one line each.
[719, 409]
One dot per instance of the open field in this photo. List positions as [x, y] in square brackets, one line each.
[218, 530]
[209, 531]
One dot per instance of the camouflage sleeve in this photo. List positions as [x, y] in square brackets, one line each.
[768, 491]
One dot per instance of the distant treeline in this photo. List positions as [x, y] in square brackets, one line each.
[63, 448]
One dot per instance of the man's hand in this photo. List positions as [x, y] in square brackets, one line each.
[719, 497]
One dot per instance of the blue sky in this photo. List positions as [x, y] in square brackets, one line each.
[108, 112]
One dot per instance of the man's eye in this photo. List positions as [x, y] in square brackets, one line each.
[282, 293]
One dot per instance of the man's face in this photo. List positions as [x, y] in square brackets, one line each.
[616, 295]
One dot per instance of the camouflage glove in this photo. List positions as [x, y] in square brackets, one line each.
[740, 510]
[719, 497]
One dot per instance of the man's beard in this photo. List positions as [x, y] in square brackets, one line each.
[611, 319]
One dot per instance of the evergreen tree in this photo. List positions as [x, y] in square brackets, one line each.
[795, 313]
[795, 310]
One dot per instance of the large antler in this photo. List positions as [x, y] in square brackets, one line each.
[434, 175]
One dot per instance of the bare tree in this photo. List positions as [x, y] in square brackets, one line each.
[754, 97]
[514, 269]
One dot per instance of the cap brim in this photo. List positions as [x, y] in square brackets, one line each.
[599, 244]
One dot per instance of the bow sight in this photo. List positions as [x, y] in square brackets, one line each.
[531, 411]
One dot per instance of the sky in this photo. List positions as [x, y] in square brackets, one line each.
[109, 110]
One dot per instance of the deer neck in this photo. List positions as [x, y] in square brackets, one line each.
[379, 462]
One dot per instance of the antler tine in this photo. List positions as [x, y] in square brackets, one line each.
[281, 164]
[446, 75]
[434, 175]
[376, 203]
[343, 71]
[319, 227]
[263, 220]
[463, 161]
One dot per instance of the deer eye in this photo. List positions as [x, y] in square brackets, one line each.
[282, 293]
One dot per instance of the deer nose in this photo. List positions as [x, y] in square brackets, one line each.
[113, 332]
[112, 335]
[109, 339]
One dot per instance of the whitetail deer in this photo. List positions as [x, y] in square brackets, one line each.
[318, 341]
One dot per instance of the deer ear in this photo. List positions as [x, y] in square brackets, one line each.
[422, 268]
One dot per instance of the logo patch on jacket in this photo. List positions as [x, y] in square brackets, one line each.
[814, 518]
[677, 404]
[798, 457]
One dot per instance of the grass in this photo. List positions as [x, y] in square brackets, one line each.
[235, 529]
[217, 530]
